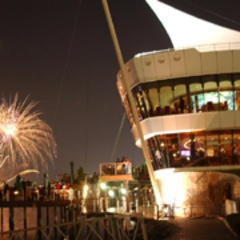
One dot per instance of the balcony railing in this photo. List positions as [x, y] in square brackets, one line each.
[115, 168]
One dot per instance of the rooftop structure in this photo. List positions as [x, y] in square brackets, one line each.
[186, 30]
[115, 171]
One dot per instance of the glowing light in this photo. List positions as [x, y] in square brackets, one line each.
[24, 137]
[85, 191]
[84, 209]
[111, 193]
[123, 191]
[168, 179]
[103, 185]
[10, 129]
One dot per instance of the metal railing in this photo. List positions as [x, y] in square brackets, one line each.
[96, 225]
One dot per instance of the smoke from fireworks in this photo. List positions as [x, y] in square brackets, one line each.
[24, 137]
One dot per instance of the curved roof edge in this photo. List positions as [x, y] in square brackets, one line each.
[185, 30]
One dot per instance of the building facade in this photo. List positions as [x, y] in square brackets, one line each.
[188, 104]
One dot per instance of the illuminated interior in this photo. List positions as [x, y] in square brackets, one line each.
[187, 101]
[200, 94]
[210, 93]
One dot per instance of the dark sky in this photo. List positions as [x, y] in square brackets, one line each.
[70, 67]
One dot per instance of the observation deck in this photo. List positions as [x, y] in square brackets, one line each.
[115, 171]
[188, 103]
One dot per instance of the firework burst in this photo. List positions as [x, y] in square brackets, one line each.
[24, 137]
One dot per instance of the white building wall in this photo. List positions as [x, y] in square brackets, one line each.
[177, 123]
[196, 193]
[154, 66]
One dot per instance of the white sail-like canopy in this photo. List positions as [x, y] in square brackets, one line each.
[185, 30]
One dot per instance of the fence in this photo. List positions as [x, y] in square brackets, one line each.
[89, 226]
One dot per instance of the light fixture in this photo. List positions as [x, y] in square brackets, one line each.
[123, 191]
[103, 185]
[85, 190]
[111, 193]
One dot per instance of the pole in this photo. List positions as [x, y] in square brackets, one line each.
[72, 172]
[131, 99]
[46, 193]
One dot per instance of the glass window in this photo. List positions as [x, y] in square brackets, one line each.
[173, 151]
[196, 149]
[166, 100]
[225, 146]
[140, 110]
[226, 95]
[159, 151]
[193, 148]
[236, 136]
[225, 85]
[185, 149]
[212, 142]
[180, 94]
[211, 97]
[179, 90]
[142, 102]
[154, 99]
[196, 92]
[237, 94]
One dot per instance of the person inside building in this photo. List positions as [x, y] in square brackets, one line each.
[124, 168]
[110, 169]
[159, 157]
[181, 104]
[235, 154]
[192, 146]
[222, 154]
[225, 105]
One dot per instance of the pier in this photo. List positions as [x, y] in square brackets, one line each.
[65, 219]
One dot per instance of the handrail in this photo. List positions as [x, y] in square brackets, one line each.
[111, 225]
[201, 48]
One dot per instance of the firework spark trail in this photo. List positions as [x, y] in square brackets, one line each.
[22, 173]
[24, 137]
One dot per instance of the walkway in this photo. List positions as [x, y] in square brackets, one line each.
[201, 229]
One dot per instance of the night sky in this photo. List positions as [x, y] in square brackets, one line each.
[60, 53]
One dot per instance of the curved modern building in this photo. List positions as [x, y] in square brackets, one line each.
[188, 105]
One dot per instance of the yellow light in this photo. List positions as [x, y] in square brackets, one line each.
[103, 185]
[111, 193]
[168, 179]
[10, 129]
[123, 191]
[85, 190]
